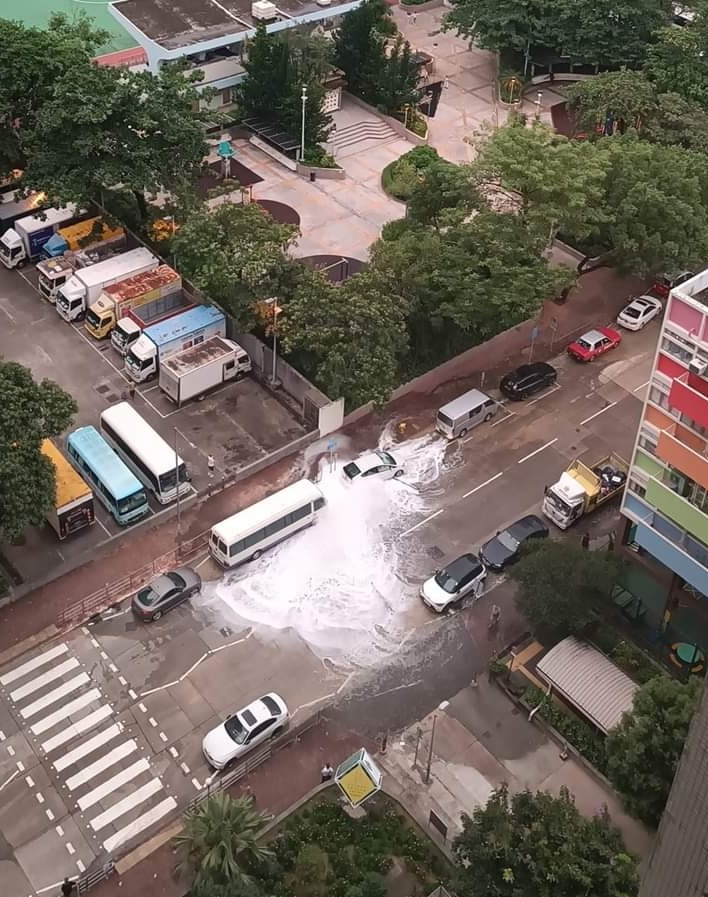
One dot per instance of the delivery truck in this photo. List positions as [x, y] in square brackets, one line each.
[86, 284]
[81, 235]
[23, 242]
[54, 272]
[582, 489]
[162, 340]
[202, 368]
[11, 209]
[115, 301]
[128, 328]
[72, 508]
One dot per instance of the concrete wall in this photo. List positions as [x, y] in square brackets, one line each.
[393, 123]
[333, 174]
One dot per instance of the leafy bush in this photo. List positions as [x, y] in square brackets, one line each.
[635, 662]
[4, 585]
[318, 158]
[399, 178]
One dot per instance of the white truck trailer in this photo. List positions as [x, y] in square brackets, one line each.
[202, 368]
[24, 241]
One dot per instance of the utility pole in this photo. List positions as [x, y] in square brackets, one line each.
[179, 507]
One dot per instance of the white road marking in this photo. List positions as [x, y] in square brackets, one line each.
[196, 784]
[2, 735]
[142, 707]
[173, 750]
[30, 781]
[80, 866]
[502, 419]
[8, 780]
[202, 562]
[140, 824]
[55, 887]
[544, 396]
[163, 737]
[531, 454]
[118, 780]
[66, 711]
[127, 803]
[485, 483]
[20, 766]
[87, 747]
[19, 693]
[105, 762]
[133, 694]
[642, 386]
[153, 722]
[422, 523]
[122, 680]
[50, 815]
[59, 830]
[184, 768]
[95, 643]
[104, 528]
[78, 728]
[38, 661]
[55, 695]
[70, 847]
[11, 750]
[40, 798]
[598, 413]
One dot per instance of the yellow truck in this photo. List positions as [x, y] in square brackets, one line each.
[118, 298]
[582, 489]
[79, 236]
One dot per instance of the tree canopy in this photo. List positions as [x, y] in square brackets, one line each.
[538, 845]
[29, 413]
[561, 585]
[644, 750]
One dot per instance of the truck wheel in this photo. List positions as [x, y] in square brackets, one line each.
[256, 555]
[463, 433]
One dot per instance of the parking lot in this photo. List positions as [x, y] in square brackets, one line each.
[238, 424]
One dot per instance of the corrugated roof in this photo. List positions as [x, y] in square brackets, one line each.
[589, 680]
[678, 866]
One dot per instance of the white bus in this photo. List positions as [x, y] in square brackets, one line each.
[245, 535]
[146, 453]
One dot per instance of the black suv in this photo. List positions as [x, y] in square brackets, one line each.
[528, 379]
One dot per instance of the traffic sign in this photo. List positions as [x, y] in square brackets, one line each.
[331, 445]
[534, 334]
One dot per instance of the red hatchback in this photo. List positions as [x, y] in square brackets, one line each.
[593, 343]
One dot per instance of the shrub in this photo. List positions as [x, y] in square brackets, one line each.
[576, 732]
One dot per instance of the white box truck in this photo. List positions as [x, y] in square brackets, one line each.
[196, 371]
[86, 285]
[160, 341]
[54, 272]
[25, 239]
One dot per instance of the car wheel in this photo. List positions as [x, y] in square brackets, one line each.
[256, 555]
[463, 433]
[277, 732]
[156, 616]
[488, 416]
[397, 474]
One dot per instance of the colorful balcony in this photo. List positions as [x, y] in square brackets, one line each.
[681, 457]
[687, 396]
[678, 509]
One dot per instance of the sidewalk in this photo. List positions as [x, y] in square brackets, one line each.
[277, 785]
[480, 742]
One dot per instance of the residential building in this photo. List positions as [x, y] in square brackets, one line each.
[666, 500]
[211, 34]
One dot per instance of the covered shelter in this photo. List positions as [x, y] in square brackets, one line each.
[589, 681]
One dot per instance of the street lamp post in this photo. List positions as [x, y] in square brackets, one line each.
[179, 507]
[276, 311]
[302, 133]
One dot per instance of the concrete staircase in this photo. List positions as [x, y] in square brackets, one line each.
[360, 131]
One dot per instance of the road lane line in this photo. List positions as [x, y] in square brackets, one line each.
[7, 781]
[38, 661]
[501, 420]
[117, 781]
[422, 523]
[67, 710]
[55, 695]
[87, 747]
[544, 396]
[531, 454]
[642, 386]
[598, 413]
[140, 824]
[485, 483]
[19, 693]
[127, 803]
[105, 762]
[78, 728]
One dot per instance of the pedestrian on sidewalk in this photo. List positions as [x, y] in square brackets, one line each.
[326, 773]
[494, 616]
[67, 888]
[211, 464]
[611, 540]
[131, 391]
[414, 16]
[585, 541]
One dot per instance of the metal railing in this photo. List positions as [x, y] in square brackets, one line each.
[89, 879]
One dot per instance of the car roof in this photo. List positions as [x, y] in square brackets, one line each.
[162, 585]
[536, 367]
[464, 403]
[526, 525]
[257, 712]
[367, 461]
[593, 336]
[461, 566]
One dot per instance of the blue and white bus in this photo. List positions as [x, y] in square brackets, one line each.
[113, 484]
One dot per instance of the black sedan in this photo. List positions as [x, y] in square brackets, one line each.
[504, 548]
[166, 592]
[528, 379]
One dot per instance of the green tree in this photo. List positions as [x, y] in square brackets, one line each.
[506, 25]
[643, 751]
[561, 181]
[678, 61]
[311, 872]
[33, 61]
[397, 85]
[443, 186]
[220, 840]
[351, 338]
[106, 127]
[360, 47]
[628, 95]
[678, 122]
[236, 254]
[560, 587]
[538, 845]
[268, 75]
[29, 413]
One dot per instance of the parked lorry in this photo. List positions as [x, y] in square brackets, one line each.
[82, 235]
[201, 368]
[55, 272]
[118, 298]
[86, 284]
[128, 328]
[162, 340]
[23, 242]
[11, 209]
[582, 489]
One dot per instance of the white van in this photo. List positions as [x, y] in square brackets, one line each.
[464, 413]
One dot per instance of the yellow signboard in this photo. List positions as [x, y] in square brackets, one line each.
[358, 778]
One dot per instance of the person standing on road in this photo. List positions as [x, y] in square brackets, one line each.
[131, 391]
[585, 541]
[611, 540]
[326, 773]
[494, 616]
[211, 464]
[67, 888]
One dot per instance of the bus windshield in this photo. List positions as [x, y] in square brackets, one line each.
[132, 502]
[168, 480]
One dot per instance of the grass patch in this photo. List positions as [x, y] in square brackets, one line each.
[637, 664]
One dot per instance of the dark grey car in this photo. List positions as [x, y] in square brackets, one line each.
[503, 549]
[166, 592]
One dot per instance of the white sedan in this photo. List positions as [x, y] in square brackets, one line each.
[464, 576]
[639, 312]
[375, 465]
[262, 719]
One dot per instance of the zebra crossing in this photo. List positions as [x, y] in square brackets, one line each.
[101, 769]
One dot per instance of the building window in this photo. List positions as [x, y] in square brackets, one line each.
[697, 428]
[678, 351]
[659, 397]
[648, 444]
[637, 488]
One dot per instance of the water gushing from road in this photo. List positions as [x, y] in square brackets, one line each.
[338, 583]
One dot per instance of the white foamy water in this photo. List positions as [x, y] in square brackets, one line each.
[337, 583]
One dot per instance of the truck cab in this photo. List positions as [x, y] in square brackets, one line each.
[124, 335]
[53, 274]
[582, 489]
[12, 249]
[101, 318]
[564, 501]
[141, 360]
[71, 300]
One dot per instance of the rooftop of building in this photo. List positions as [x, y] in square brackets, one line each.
[177, 24]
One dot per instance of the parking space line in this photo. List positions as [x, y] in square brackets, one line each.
[8, 780]
[421, 523]
[103, 527]
[545, 395]
[501, 420]
[531, 454]
[642, 386]
[485, 483]
[598, 413]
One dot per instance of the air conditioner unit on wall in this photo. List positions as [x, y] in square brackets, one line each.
[698, 366]
[263, 10]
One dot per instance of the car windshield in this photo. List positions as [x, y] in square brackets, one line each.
[235, 730]
[177, 580]
[558, 502]
[507, 540]
[386, 458]
[147, 596]
[351, 470]
[584, 344]
[444, 419]
[446, 582]
[632, 311]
